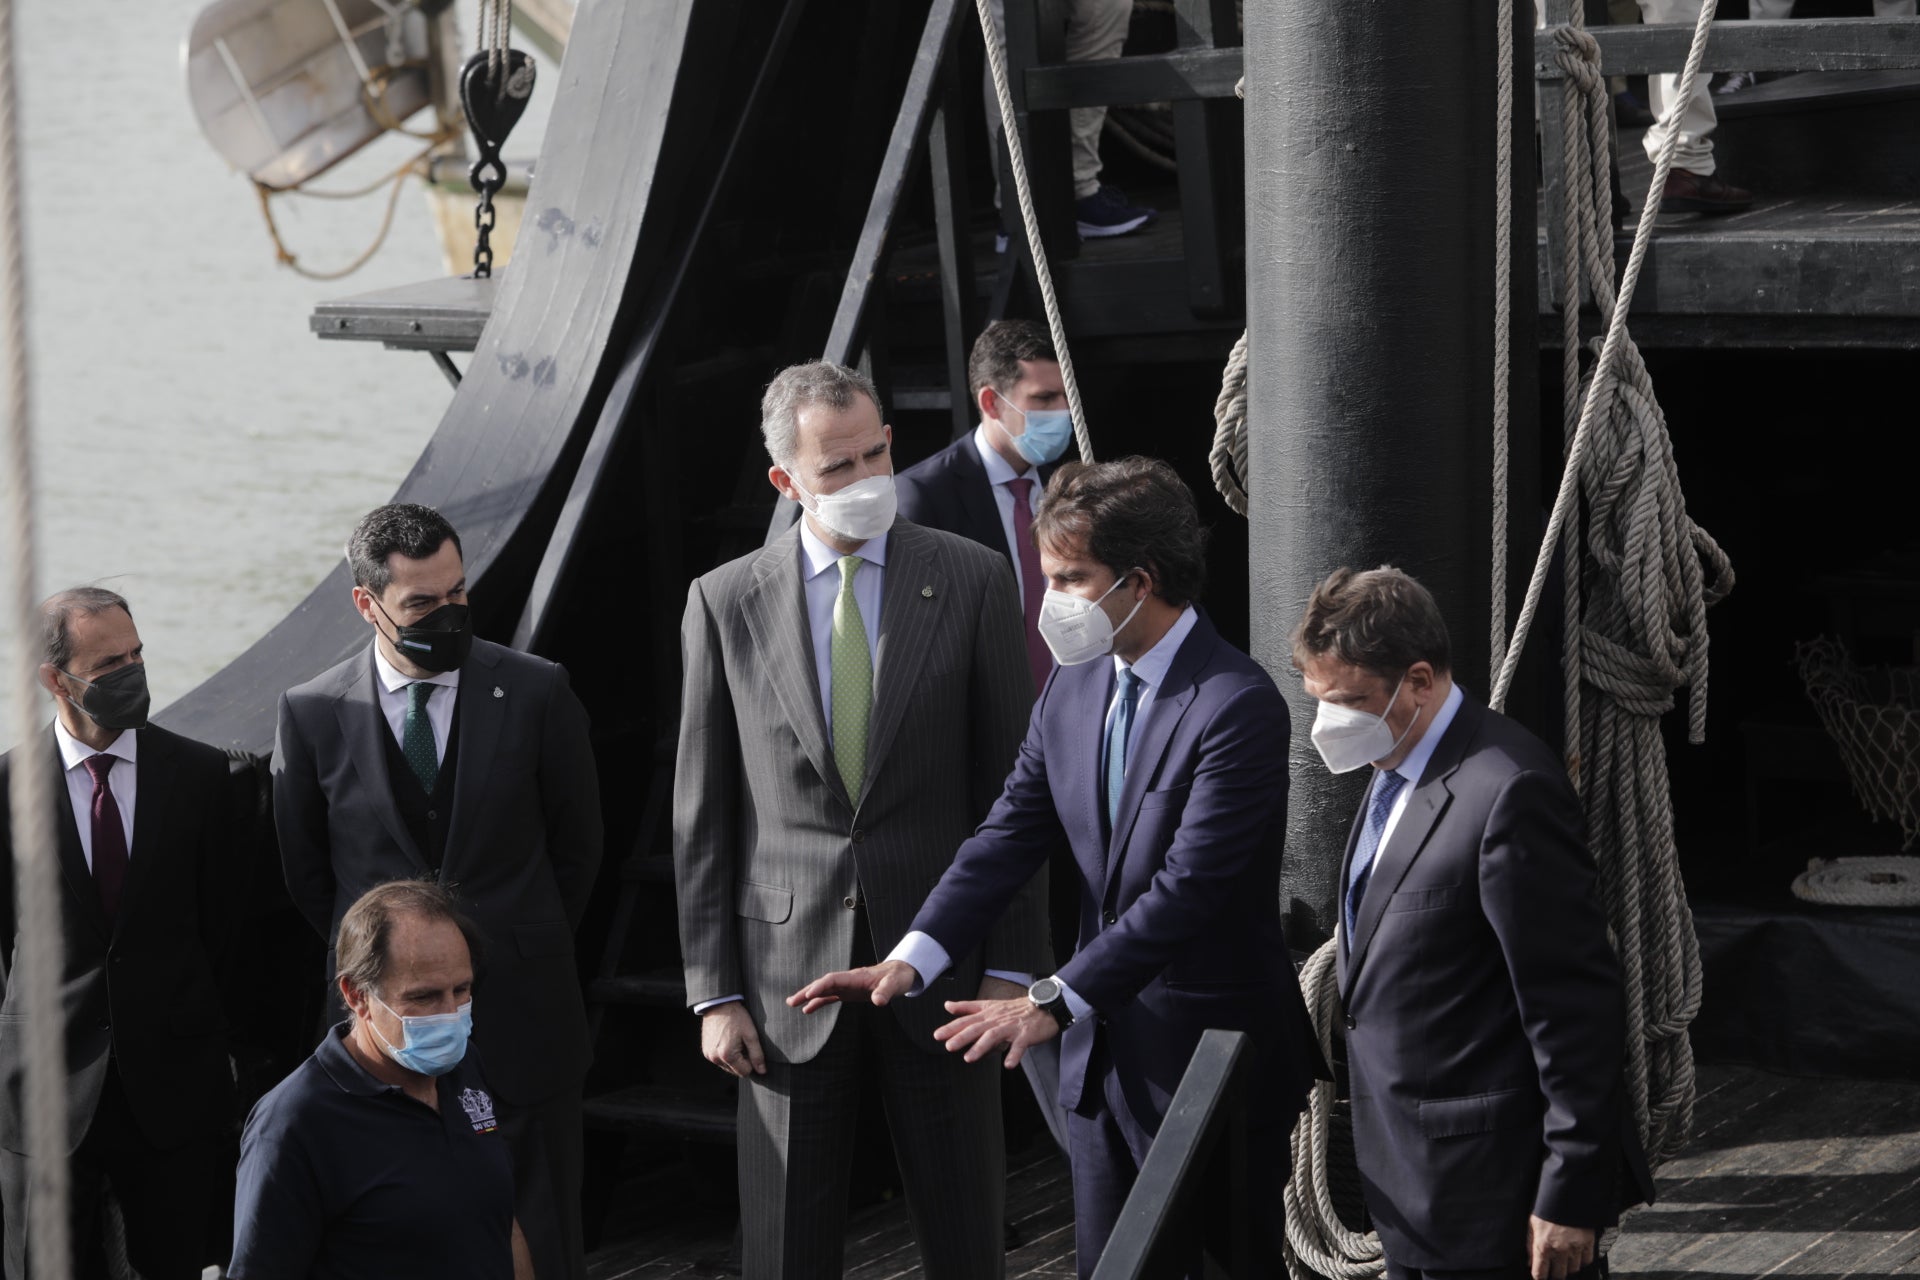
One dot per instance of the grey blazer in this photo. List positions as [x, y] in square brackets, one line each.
[769, 849]
[523, 842]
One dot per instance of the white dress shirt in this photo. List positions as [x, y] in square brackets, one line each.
[928, 958]
[1416, 762]
[820, 567]
[121, 781]
[393, 701]
[999, 472]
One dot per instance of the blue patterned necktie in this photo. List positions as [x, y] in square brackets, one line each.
[1119, 728]
[416, 737]
[1386, 789]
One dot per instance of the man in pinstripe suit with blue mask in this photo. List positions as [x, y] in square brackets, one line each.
[854, 695]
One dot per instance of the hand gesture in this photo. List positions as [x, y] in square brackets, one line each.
[877, 984]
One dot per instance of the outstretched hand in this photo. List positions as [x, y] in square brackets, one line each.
[878, 984]
[982, 1026]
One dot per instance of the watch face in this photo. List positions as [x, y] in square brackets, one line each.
[1045, 991]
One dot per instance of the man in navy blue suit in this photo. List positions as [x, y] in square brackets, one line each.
[1485, 1023]
[1158, 754]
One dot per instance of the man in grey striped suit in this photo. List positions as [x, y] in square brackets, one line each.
[854, 695]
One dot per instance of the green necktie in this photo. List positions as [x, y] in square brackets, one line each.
[416, 737]
[852, 682]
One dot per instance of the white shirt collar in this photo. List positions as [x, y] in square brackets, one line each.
[1151, 666]
[999, 470]
[817, 557]
[1416, 762]
[73, 751]
[393, 682]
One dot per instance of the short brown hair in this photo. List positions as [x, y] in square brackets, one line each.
[998, 351]
[1381, 620]
[1136, 513]
[58, 611]
[365, 942]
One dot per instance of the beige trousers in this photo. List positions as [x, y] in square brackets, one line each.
[1095, 29]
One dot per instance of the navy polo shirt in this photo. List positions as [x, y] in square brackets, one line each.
[343, 1176]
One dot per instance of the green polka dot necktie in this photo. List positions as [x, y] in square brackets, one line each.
[416, 736]
[852, 682]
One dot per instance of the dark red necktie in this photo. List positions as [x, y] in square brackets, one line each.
[1033, 585]
[109, 836]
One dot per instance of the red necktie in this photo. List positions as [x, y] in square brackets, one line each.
[1033, 584]
[109, 836]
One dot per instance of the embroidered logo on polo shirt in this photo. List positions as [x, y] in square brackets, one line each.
[479, 1108]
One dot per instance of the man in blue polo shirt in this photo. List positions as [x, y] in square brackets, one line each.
[380, 1154]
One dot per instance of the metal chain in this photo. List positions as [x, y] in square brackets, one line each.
[483, 219]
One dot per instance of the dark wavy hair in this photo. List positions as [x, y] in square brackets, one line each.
[1381, 620]
[408, 528]
[1134, 513]
[998, 351]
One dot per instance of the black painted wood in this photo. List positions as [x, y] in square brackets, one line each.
[502, 454]
[1197, 138]
[958, 313]
[1803, 44]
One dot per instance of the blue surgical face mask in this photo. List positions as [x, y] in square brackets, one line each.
[434, 1043]
[1047, 434]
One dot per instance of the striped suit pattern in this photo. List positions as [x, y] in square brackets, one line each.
[770, 850]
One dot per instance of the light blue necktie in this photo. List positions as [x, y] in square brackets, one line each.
[1119, 729]
[1386, 789]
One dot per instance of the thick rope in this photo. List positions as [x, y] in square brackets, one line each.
[1638, 585]
[1003, 94]
[1316, 1238]
[1890, 881]
[1228, 457]
[1502, 320]
[36, 904]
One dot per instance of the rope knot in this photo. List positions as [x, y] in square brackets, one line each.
[1578, 55]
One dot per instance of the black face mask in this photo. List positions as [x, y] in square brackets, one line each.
[117, 700]
[438, 642]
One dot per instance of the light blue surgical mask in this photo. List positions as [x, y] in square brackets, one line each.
[1047, 434]
[433, 1043]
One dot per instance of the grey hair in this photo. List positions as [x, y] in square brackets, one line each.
[58, 611]
[799, 387]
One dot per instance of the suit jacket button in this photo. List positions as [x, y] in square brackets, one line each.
[1351, 1024]
[849, 902]
[859, 835]
[432, 816]
[1108, 918]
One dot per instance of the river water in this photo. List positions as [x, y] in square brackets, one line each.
[197, 448]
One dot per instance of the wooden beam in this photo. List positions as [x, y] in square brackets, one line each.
[1125, 82]
[547, 23]
[1800, 44]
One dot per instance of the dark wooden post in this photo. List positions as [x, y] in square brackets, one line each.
[1370, 216]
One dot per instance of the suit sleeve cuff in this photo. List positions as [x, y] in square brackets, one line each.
[705, 1005]
[1075, 1005]
[928, 958]
[1011, 975]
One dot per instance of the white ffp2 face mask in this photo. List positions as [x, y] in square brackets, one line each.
[858, 513]
[1077, 629]
[1348, 737]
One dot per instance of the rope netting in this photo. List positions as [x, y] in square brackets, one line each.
[1873, 716]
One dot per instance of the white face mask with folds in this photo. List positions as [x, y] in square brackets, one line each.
[1077, 629]
[1348, 737]
[858, 513]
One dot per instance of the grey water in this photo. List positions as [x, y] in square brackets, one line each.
[197, 449]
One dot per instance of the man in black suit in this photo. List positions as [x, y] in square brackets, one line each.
[1485, 1022]
[986, 486]
[145, 879]
[434, 754]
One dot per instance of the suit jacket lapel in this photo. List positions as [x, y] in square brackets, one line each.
[154, 768]
[1425, 806]
[73, 858]
[1085, 692]
[364, 726]
[775, 610]
[911, 606]
[483, 699]
[1151, 738]
[977, 501]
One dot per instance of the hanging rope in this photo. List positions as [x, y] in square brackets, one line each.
[36, 904]
[395, 183]
[1228, 457]
[1502, 320]
[496, 21]
[1003, 95]
[1636, 612]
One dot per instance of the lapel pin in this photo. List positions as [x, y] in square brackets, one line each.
[498, 692]
[927, 592]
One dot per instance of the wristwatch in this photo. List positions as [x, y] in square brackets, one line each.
[1048, 994]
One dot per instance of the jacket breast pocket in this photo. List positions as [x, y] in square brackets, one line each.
[1479, 1113]
[767, 902]
[1166, 797]
[1425, 899]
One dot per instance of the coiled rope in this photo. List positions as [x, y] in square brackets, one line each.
[1016, 153]
[36, 904]
[1636, 607]
[1228, 457]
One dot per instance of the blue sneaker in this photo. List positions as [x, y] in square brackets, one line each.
[1109, 213]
